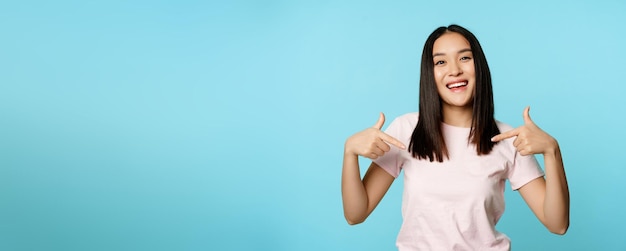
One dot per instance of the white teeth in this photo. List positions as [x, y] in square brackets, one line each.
[455, 85]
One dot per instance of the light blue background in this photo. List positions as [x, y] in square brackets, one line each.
[193, 125]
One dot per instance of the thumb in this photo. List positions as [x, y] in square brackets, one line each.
[527, 119]
[381, 121]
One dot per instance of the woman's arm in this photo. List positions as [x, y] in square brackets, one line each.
[548, 198]
[360, 197]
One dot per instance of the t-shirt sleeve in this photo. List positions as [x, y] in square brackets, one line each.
[523, 170]
[392, 160]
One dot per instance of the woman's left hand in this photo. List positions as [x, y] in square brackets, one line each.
[530, 138]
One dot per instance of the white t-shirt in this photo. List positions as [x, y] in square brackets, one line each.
[455, 205]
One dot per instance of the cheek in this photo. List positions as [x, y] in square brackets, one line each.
[469, 69]
[438, 75]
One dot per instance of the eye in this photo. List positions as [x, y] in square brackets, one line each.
[465, 58]
[440, 62]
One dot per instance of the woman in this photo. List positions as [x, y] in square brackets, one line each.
[457, 159]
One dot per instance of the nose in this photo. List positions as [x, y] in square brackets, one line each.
[455, 69]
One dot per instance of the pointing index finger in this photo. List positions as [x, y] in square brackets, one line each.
[505, 135]
[391, 140]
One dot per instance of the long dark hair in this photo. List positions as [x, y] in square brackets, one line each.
[427, 140]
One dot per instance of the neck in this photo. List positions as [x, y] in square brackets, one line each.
[457, 116]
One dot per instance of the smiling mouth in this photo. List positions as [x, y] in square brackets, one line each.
[456, 85]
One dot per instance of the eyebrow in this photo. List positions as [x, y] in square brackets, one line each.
[461, 51]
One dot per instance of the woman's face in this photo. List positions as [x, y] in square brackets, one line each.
[454, 70]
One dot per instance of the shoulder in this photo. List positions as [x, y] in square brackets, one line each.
[503, 126]
[406, 120]
[402, 126]
[506, 144]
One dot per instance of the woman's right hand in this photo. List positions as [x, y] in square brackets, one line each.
[371, 142]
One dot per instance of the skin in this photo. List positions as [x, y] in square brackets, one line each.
[547, 197]
[454, 62]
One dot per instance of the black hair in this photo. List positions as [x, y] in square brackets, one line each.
[427, 141]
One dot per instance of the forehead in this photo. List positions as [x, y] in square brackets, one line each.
[450, 42]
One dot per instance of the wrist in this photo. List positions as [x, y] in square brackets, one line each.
[347, 150]
[553, 149]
